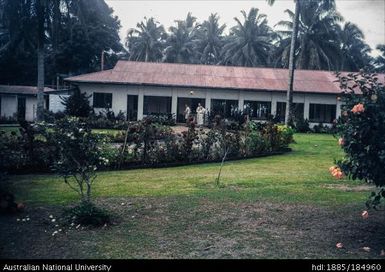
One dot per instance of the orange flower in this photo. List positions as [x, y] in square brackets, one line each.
[358, 108]
[341, 141]
[365, 214]
[336, 172]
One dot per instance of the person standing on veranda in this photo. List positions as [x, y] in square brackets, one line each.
[187, 113]
[200, 114]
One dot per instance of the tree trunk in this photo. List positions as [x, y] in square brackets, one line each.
[40, 60]
[88, 195]
[289, 97]
[220, 169]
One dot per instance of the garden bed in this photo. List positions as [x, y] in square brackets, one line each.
[284, 206]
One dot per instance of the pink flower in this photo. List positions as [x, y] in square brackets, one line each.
[365, 214]
[339, 245]
[341, 141]
[358, 108]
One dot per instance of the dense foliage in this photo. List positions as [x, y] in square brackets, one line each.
[362, 128]
[151, 144]
[76, 33]
[324, 43]
[70, 148]
[77, 104]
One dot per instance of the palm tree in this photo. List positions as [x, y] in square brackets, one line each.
[210, 40]
[181, 42]
[354, 50]
[146, 43]
[40, 59]
[318, 37]
[379, 62]
[250, 42]
[295, 22]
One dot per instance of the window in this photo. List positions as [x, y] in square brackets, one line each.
[298, 110]
[322, 113]
[258, 109]
[156, 104]
[225, 108]
[102, 100]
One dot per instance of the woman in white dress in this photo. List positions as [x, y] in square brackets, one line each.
[200, 114]
[187, 113]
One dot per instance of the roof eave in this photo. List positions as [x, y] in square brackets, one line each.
[192, 86]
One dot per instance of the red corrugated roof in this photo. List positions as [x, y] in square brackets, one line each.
[27, 90]
[210, 76]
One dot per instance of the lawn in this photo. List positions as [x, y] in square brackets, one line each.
[284, 206]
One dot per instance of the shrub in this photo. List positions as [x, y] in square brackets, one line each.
[166, 119]
[51, 117]
[301, 125]
[77, 104]
[86, 213]
[286, 135]
[362, 129]
[254, 142]
[8, 120]
[78, 154]
[321, 128]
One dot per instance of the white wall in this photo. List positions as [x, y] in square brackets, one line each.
[9, 107]
[120, 92]
[30, 108]
[55, 102]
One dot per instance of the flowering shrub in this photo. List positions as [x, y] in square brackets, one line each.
[79, 154]
[361, 128]
[148, 143]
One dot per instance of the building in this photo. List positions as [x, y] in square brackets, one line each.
[142, 88]
[19, 102]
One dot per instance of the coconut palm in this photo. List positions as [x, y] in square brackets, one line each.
[250, 42]
[41, 4]
[209, 40]
[180, 44]
[379, 62]
[289, 104]
[146, 43]
[318, 38]
[353, 49]
[291, 50]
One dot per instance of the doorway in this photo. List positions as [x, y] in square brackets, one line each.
[21, 106]
[132, 107]
[192, 103]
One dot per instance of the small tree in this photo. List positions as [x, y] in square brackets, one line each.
[78, 154]
[362, 131]
[77, 104]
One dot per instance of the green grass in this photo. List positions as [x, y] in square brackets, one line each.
[15, 128]
[10, 128]
[112, 132]
[285, 206]
[300, 176]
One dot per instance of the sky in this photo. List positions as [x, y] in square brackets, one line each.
[368, 15]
